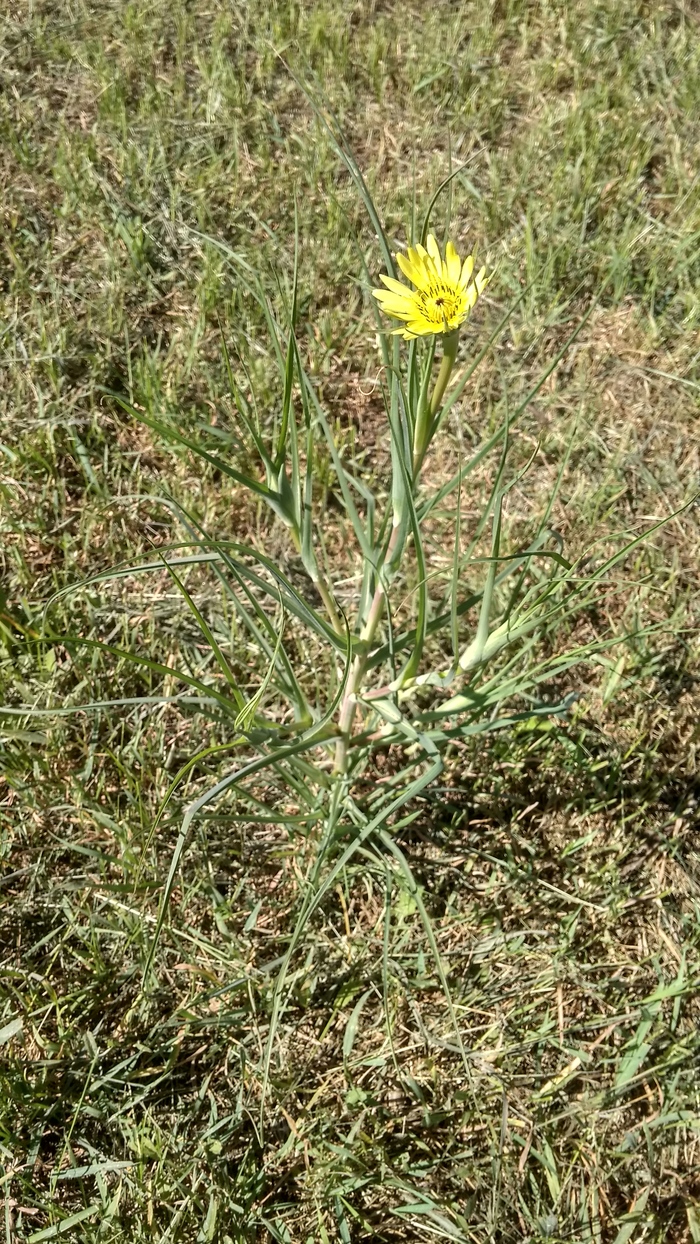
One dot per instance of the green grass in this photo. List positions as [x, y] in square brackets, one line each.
[148, 153]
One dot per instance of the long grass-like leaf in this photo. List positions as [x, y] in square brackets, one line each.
[334, 131]
[392, 847]
[207, 633]
[289, 375]
[156, 667]
[274, 498]
[473, 654]
[316, 735]
[422, 584]
[317, 892]
[446, 181]
[242, 408]
[498, 435]
[341, 474]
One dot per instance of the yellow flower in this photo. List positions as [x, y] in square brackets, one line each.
[444, 295]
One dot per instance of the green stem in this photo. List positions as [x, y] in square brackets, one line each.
[425, 423]
[321, 586]
[349, 705]
[450, 342]
[426, 417]
[327, 599]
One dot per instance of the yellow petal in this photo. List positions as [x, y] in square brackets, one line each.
[432, 262]
[453, 266]
[417, 256]
[420, 327]
[414, 269]
[466, 270]
[388, 298]
[395, 285]
[398, 312]
[481, 280]
[424, 259]
[434, 252]
[382, 295]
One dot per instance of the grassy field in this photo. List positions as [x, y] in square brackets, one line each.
[148, 152]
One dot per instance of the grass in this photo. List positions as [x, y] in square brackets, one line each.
[147, 154]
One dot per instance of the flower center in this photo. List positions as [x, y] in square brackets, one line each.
[440, 303]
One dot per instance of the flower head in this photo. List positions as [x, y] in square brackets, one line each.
[444, 295]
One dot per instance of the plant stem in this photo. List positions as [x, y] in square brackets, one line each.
[424, 429]
[327, 599]
[321, 586]
[450, 341]
[426, 421]
[349, 704]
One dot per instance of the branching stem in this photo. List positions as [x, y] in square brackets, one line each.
[425, 425]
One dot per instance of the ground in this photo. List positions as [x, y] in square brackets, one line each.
[148, 153]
